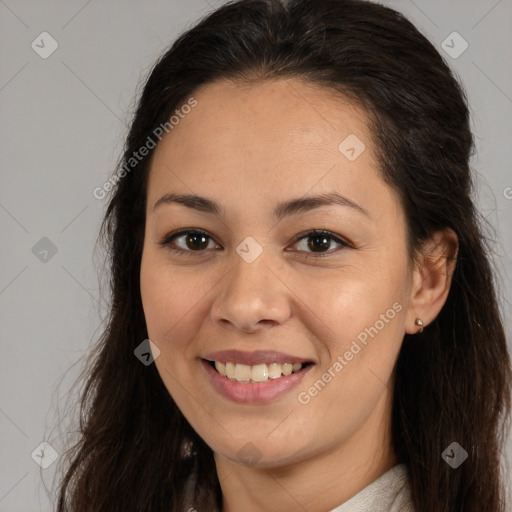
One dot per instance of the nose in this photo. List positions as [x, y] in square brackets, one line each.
[251, 297]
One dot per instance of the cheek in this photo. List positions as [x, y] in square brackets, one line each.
[174, 302]
[350, 300]
[363, 312]
[170, 304]
[163, 298]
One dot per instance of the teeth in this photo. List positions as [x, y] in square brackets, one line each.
[287, 368]
[274, 371]
[230, 370]
[220, 367]
[256, 373]
[259, 373]
[243, 372]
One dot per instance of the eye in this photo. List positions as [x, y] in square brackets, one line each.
[192, 240]
[319, 241]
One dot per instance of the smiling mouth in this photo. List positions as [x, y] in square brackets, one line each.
[256, 373]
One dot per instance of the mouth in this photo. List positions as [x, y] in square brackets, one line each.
[259, 376]
[253, 384]
[252, 374]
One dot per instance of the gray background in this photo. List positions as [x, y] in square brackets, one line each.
[62, 125]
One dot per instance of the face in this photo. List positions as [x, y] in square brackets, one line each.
[241, 277]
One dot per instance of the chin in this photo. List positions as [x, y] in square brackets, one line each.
[258, 453]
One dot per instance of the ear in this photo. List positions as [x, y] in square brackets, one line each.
[431, 279]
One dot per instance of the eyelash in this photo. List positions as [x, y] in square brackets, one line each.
[167, 240]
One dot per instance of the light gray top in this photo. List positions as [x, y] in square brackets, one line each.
[389, 493]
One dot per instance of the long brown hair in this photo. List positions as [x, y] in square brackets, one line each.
[453, 381]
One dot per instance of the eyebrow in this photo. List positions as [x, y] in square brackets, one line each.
[283, 209]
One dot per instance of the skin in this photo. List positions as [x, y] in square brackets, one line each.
[249, 147]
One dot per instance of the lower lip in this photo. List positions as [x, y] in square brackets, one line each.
[254, 392]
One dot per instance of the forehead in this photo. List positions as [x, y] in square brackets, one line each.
[269, 115]
[273, 138]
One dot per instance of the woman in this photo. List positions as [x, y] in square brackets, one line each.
[292, 227]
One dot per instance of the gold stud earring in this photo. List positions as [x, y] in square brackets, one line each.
[419, 323]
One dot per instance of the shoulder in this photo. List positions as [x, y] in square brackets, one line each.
[403, 500]
[388, 493]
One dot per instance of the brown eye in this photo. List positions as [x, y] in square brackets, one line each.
[188, 241]
[196, 241]
[319, 242]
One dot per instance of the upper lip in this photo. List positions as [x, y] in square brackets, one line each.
[255, 357]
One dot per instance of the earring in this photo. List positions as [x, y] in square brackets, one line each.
[419, 323]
